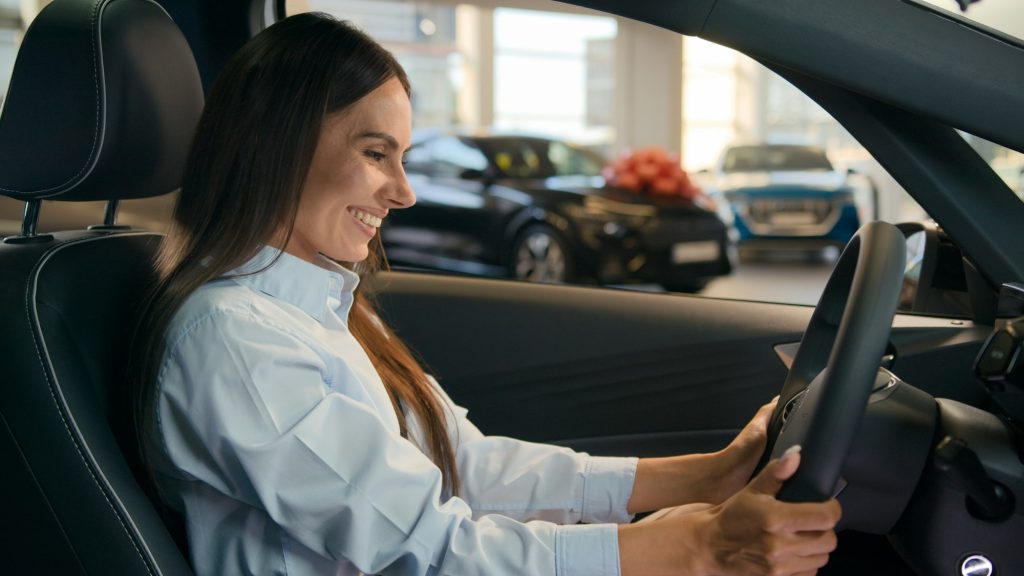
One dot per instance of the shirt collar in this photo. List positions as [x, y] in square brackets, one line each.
[313, 288]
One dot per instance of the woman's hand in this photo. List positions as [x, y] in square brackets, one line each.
[740, 457]
[666, 482]
[751, 533]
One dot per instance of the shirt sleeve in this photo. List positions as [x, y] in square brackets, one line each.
[245, 409]
[531, 481]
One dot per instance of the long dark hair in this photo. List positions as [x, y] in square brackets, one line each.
[240, 191]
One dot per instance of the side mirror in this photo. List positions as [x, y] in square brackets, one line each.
[939, 280]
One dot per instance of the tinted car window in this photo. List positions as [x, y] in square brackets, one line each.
[518, 158]
[451, 157]
[418, 160]
[537, 158]
[774, 158]
[569, 161]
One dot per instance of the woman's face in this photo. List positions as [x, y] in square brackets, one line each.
[356, 177]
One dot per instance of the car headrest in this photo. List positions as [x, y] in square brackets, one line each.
[103, 101]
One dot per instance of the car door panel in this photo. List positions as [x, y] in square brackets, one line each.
[619, 372]
[591, 367]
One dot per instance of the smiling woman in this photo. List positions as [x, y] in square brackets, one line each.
[295, 431]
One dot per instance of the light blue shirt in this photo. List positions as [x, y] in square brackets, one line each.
[280, 444]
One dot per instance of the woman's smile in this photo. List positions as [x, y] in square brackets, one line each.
[365, 221]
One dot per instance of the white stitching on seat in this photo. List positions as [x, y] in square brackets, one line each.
[120, 512]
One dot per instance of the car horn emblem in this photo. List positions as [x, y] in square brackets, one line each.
[976, 565]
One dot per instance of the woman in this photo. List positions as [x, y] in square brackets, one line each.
[296, 432]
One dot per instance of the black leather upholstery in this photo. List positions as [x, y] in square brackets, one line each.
[75, 506]
[103, 101]
[70, 501]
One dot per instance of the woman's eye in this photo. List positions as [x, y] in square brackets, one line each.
[375, 155]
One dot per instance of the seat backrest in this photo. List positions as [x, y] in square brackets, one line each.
[103, 101]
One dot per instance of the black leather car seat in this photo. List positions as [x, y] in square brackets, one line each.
[103, 101]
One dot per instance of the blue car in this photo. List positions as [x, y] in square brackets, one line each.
[782, 196]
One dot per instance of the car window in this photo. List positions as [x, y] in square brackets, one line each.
[452, 158]
[570, 161]
[519, 157]
[655, 120]
[418, 160]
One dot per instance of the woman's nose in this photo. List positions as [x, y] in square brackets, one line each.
[402, 195]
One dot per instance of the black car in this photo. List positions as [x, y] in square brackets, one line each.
[537, 209]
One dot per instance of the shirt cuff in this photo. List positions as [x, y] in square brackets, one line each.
[587, 550]
[607, 486]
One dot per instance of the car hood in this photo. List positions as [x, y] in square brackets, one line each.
[830, 180]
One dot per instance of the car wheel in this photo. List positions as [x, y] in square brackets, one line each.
[540, 255]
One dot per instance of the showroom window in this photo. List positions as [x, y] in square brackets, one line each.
[424, 38]
[554, 74]
[711, 74]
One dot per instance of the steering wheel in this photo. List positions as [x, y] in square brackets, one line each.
[832, 375]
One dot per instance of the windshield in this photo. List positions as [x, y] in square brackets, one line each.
[774, 159]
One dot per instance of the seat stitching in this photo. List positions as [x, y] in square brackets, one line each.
[29, 291]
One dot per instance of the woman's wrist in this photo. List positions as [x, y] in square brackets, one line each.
[673, 481]
[669, 548]
[731, 472]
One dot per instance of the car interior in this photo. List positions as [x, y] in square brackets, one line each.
[927, 461]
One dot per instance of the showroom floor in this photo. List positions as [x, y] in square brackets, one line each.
[788, 280]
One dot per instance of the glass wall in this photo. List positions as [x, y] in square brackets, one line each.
[423, 37]
[554, 74]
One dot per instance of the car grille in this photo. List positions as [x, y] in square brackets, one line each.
[802, 210]
[791, 216]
